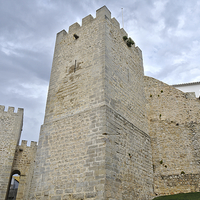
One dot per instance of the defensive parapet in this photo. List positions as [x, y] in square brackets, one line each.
[101, 13]
[11, 110]
[10, 131]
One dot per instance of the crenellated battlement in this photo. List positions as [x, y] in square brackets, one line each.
[24, 145]
[2, 108]
[74, 27]
[11, 110]
[123, 32]
[86, 20]
[115, 22]
[101, 13]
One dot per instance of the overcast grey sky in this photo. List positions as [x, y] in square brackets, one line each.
[167, 32]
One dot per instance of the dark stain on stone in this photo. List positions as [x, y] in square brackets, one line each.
[78, 67]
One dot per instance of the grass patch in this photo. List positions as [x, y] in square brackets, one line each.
[186, 196]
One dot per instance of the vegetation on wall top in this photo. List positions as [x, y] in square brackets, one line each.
[128, 41]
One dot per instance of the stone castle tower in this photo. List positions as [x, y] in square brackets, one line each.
[94, 142]
[109, 132]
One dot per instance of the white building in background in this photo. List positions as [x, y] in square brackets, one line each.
[189, 87]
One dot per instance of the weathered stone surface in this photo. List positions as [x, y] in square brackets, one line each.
[94, 142]
[10, 131]
[24, 161]
[174, 128]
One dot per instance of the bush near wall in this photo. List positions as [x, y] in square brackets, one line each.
[183, 196]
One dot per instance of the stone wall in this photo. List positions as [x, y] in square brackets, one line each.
[10, 131]
[70, 162]
[174, 128]
[124, 89]
[24, 161]
[128, 149]
[128, 160]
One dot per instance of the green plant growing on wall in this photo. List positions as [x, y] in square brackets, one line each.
[182, 172]
[161, 162]
[160, 115]
[161, 91]
[158, 95]
[129, 41]
[125, 38]
[150, 95]
[165, 166]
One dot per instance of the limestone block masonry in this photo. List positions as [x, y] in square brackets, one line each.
[10, 131]
[94, 142]
[174, 128]
[24, 161]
